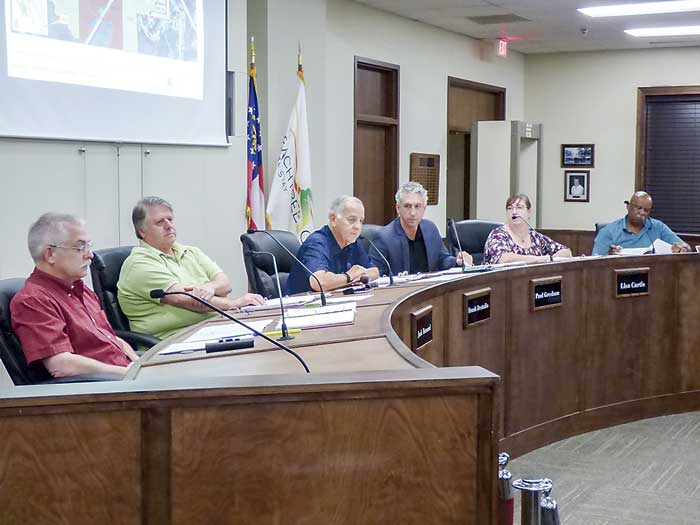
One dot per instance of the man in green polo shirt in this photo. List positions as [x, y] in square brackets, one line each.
[159, 262]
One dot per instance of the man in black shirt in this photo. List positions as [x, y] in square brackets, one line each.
[410, 242]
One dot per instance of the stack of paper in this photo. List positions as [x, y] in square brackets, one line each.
[272, 304]
[337, 314]
[212, 334]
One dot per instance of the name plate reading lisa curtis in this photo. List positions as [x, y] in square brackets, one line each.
[477, 307]
[631, 282]
[545, 292]
[421, 327]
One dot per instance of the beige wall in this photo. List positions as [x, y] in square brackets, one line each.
[332, 33]
[592, 97]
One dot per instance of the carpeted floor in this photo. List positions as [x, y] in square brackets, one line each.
[646, 472]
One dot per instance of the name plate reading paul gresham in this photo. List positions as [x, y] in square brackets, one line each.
[631, 282]
[545, 293]
[477, 307]
[421, 327]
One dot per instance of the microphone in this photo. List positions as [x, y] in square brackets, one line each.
[386, 261]
[311, 274]
[551, 257]
[158, 294]
[459, 244]
[285, 333]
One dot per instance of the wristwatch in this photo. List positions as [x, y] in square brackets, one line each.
[347, 276]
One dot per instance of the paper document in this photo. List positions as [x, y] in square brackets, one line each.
[340, 299]
[635, 251]
[317, 321]
[224, 330]
[272, 304]
[662, 247]
[322, 310]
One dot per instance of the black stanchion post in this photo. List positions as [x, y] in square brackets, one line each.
[531, 497]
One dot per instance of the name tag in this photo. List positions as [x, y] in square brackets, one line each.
[477, 307]
[631, 282]
[421, 327]
[545, 293]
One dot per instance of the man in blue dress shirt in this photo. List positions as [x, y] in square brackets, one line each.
[411, 243]
[636, 230]
[331, 253]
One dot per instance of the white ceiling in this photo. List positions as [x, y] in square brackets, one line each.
[553, 25]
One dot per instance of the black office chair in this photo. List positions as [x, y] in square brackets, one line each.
[371, 231]
[599, 226]
[260, 269]
[472, 236]
[104, 269]
[12, 355]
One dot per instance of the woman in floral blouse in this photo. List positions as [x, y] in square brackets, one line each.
[515, 241]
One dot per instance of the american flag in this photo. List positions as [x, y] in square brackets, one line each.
[255, 202]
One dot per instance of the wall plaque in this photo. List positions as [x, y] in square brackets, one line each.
[477, 307]
[631, 282]
[545, 293]
[421, 327]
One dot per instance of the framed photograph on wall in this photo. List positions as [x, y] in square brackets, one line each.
[578, 155]
[577, 185]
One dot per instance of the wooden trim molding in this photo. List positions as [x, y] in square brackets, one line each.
[642, 94]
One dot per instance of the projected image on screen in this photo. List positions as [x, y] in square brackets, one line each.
[147, 46]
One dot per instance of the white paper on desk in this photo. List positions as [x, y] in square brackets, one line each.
[661, 247]
[317, 321]
[341, 299]
[220, 331]
[182, 348]
[322, 310]
[439, 278]
[271, 304]
[635, 251]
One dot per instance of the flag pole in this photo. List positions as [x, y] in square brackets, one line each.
[300, 67]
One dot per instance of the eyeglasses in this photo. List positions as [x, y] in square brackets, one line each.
[83, 249]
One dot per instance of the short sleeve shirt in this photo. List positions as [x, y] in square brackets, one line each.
[51, 317]
[617, 233]
[320, 251]
[499, 242]
[146, 269]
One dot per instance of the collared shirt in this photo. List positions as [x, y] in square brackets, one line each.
[417, 255]
[51, 317]
[617, 233]
[321, 251]
[146, 269]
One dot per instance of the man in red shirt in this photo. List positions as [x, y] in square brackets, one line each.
[57, 318]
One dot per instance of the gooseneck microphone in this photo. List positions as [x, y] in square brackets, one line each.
[285, 332]
[158, 294]
[386, 261]
[311, 274]
[551, 257]
[459, 244]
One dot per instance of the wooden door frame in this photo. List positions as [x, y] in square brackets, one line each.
[376, 120]
[641, 143]
[500, 93]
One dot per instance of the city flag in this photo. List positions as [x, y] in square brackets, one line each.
[255, 202]
[290, 206]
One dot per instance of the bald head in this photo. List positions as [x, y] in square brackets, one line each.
[638, 208]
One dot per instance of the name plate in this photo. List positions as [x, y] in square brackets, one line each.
[545, 293]
[631, 282]
[477, 307]
[421, 327]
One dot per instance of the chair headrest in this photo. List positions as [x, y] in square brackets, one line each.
[106, 265]
[472, 234]
[261, 242]
[8, 289]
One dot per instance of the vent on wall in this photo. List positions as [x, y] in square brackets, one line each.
[496, 19]
[425, 168]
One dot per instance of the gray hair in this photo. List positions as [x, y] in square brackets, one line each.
[339, 203]
[412, 187]
[138, 214]
[49, 229]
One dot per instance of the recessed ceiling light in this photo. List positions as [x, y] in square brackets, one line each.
[664, 31]
[646, 8]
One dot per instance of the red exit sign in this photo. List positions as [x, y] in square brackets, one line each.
[502, 48]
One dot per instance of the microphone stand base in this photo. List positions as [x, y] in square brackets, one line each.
[285, 338]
